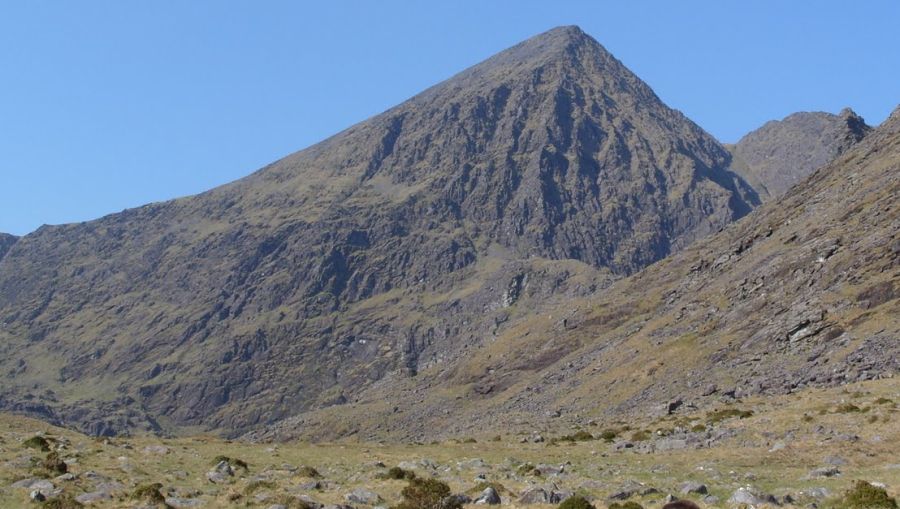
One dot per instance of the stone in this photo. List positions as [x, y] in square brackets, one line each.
[184, 503]
[363, 496]
[751, 497]
[824, 472]
[93, 497]
[488, 497]
[156, 449]
[37, 496]
[34, 484]
[535, 496]
[694, 487]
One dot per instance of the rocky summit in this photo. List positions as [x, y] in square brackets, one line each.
[537, 239]
[780, 154]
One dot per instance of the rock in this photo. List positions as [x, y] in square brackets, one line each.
[817, 493]
[777, 447]
[557, 497]
[711, 500]
[277, 506]
[835, 460]
[630, 489]
[221, 473]
[156, 449]
[488, 497]
[311, 485]
[824, 472]
[34, 484]
[93, 497]
[68, 476]
[363, 496]
[751, 497]
[535, 496]
[458, 499]
[693, 487]
[184, 503]
[37, 496]
[546, 470]
[709, 390]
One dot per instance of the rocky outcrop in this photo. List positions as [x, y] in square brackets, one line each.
[402, 244]
[6, 242]
[782, 153]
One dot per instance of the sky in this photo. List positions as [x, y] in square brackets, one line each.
[107, 105]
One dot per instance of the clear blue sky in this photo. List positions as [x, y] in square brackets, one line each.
[106, 105]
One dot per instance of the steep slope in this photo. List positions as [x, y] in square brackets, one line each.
[6, 242]
[398, 244]
[803, 292]
[783, 152]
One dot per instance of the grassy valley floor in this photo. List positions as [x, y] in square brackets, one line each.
[809, 447]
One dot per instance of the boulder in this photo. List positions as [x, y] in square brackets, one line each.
[94, 497]
[363, 496]
[535, 496]
[751, 497]
[183, 503]
[488, 497]
[693, 487]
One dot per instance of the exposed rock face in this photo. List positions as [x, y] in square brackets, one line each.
[781, 153]
[403, 243]
[6, 242]
[803, 292]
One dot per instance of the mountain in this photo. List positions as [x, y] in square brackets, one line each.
[781, 153]
[802, 292]
[6, 242]
[406, 242]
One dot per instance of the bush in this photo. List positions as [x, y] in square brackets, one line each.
[608, 435]
[37, 442]
[883, 401]
[631, 504]
[63, 501]
[469, 440]
[847, 408]
[307, 471]
[698, 428]
[427, 494]
[398, 473]
[866, 496]
[149, 493]
[55, 464]
[527, 469]
[576, 502]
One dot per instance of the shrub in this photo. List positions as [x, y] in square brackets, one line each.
[427, 494]
[576, 502]
[527, 469]
[470, 440]
[883, 401]
[37, 442]
[631, 504]
[63, 501]
[698, 428]
[307, 471]
[55, 464]
[399, 473]
[608, 435]
[866, 496]
[847, 408]
[149, 493]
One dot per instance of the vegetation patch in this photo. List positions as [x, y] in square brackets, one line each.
[427, 494]
[576, 502]
[63, 501]
[398, 473]
[55, 464]
[864, 495]
[149, 493]
[36, 442]
[720, 415]
[310, 472]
